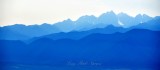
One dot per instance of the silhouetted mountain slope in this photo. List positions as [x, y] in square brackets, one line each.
[8, 34]
[12, 51]
[153, 24]
[142, 18]
[66, 25]
[85, 23]
[28, 31]
[75, 35]
[108, 18]
[136, 48]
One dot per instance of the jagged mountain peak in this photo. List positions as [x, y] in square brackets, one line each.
[107, 14]
[68, 20]
[86, 17]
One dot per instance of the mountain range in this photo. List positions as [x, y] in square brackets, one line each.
[84, 23]
[113, 40]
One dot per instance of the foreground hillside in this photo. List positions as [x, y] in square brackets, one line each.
[135, 48]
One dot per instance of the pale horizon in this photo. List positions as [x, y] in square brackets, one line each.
[30, 12]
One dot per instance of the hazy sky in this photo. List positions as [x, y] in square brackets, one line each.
[51, 11]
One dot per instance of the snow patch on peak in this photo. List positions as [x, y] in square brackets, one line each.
[120, 23]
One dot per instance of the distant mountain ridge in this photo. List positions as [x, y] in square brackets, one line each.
[76, 35]
[84, 23]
